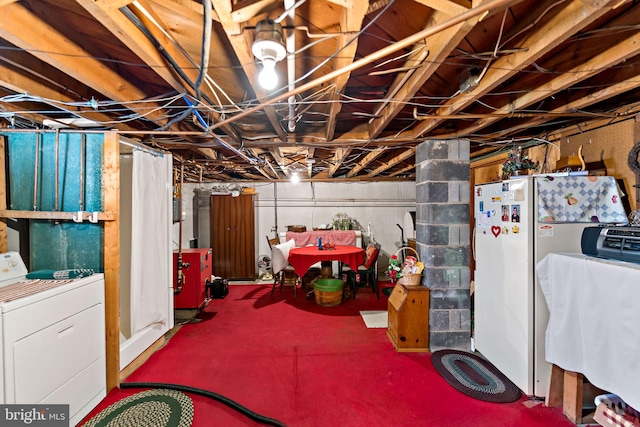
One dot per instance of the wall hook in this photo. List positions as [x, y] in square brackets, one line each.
[77, 217]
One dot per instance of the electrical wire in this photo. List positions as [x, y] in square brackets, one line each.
[207, 23]
[353, 39]
[206, 39]
[204, 124]
[317, 101]
[211, 395]
[144, 30]
[495, 50]
[236, 107]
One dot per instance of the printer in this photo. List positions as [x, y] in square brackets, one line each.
[613, 242]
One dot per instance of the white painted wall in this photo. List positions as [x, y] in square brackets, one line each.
[383, 204]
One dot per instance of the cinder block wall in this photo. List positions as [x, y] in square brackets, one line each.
[442, 239]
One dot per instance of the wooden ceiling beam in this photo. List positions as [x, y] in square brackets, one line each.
[387, 50]
[311, 151]
[247, 9]
[339, 157]
[393, 162]
[26, 74]
[153, 23]
[12, 108]
[179, 7]
[246, 176]
[21, 83]
[120, 26]
[444, 6]
[47, 80]
[28, 32]
[266, 169]
[350, 22]
[632, 82]
[547, 35]
[370, 157]
[403, 170]
[344, 3]
[612, 56]
[207, 153]
[423, 63]
[276, 153]
[116, 4]
[241, 42]
[260, 168]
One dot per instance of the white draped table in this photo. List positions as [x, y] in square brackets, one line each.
[594, 320]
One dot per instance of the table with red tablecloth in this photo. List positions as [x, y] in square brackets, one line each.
[303, 258]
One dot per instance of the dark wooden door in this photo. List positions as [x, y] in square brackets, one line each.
[233, 236]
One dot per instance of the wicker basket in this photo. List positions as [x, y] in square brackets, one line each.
[409, 279]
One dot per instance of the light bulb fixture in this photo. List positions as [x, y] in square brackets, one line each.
[295, 178]
[268, 78]
[268, 47]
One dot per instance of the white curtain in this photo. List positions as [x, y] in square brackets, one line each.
[150, 240]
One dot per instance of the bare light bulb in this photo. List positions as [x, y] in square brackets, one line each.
[295, 178]
[268, 78]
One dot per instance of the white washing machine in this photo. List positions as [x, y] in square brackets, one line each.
[53, 339]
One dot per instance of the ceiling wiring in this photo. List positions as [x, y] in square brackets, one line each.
[233, 106]
[353, 39]
[217, 116]
[532, 24]
[179, 69]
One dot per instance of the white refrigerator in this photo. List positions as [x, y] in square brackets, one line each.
[517, 223]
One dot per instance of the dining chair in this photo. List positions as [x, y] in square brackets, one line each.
[282, 271]
[272, 241]
[366, 275]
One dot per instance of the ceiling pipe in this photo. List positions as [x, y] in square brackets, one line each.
[482, 9]
[291, 62]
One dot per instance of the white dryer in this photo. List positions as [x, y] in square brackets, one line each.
[52, 334]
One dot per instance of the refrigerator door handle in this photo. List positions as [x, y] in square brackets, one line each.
[473, 243]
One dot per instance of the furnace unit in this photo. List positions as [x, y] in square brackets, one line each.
[197, 271]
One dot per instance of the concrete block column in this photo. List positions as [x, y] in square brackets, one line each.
[442, 238]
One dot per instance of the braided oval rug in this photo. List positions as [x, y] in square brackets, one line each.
[474, 376]
[151, 408]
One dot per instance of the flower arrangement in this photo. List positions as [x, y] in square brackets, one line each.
[516, 162]
[342, 221]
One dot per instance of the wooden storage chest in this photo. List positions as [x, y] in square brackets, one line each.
[408, 308]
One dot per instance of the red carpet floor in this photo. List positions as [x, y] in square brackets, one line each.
[307, 365]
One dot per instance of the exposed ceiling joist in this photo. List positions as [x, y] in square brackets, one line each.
[25, 30]
[372, 79]
[423, 63]
[445, 6]
[545, 35]
[370, 157]
[241, 42]
[395, 161]
[350, 23]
